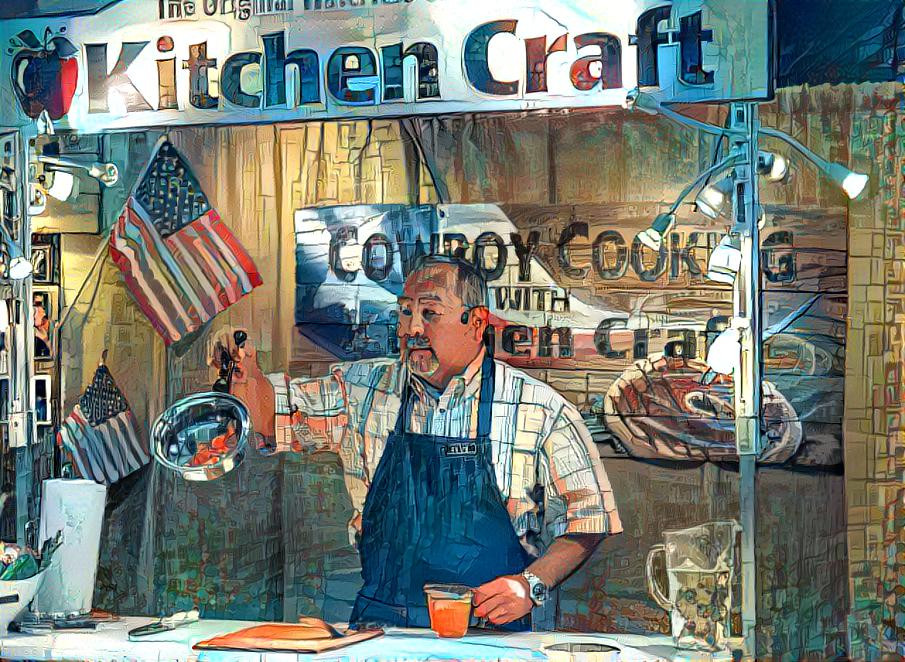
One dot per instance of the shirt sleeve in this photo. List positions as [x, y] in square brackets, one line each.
[319, 412]
[577, 493]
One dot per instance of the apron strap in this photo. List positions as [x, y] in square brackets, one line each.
[485, 404]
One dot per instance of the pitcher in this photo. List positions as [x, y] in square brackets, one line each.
[699, 564]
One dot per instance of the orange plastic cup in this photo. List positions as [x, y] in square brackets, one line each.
[449, 606]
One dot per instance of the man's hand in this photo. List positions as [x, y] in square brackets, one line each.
[503, 600]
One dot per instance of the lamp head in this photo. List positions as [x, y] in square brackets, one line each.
[724, 354]
[725, 261]
[852, 183]
[653, 236]
[774, 167]
[63, 185]
[712, 200]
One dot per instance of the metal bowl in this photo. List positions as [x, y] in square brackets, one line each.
[203, 436]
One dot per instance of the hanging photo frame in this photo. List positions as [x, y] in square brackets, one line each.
[41, 399]
[44, 258]
[44, 317]
[41, 257]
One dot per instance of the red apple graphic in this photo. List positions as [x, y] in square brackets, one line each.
[44, 74]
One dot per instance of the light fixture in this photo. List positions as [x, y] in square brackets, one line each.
[725, 260]
[63, 185]
[774, 167]
[663, 223]
[712, 199]
[724, 354]
[19, 267]
[653, 236]
[106, 173]
[853, 183]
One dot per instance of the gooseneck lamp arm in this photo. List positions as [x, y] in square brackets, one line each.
[728, 162]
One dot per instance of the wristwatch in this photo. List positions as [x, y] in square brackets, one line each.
[537, 589]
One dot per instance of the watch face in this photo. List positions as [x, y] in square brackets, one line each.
[539, 591]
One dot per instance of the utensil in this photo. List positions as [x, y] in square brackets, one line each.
[167, 623]
[203, 436]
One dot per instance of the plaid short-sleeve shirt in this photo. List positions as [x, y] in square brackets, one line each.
[547, 467]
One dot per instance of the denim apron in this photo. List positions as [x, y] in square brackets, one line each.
[434, 514]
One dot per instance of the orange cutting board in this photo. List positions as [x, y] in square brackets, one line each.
[284, 638]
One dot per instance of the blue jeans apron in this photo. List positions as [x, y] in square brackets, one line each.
[433, 514]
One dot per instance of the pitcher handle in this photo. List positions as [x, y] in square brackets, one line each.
[653, 587]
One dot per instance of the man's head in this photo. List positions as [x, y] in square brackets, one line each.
[442, 317]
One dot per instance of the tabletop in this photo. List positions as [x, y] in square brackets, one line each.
[111, 642]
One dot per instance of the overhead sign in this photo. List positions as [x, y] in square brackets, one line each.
[143, 63]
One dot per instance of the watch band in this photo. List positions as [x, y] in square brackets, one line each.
[538, 590]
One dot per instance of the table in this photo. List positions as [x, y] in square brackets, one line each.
[112, 644]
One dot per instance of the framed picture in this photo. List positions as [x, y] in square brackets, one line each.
[44, 313]
[41, 399]
[45, 258]
[42, 263]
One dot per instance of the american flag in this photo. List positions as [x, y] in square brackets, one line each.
[179, 260]
[100, 436]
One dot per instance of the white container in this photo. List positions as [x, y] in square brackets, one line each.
[25, 589]
[75, 507]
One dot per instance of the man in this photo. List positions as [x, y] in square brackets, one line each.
[461, 469]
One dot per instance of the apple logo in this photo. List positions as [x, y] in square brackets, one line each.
[44, 73]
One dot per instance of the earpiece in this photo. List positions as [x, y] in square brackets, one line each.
[465, 316]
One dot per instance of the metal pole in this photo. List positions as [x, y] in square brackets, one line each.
[21, 425]
[747, 303]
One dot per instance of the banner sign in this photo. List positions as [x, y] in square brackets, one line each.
[576, 299]
[146, 63]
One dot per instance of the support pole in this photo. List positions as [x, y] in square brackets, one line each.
[747, 303]
[21, 417]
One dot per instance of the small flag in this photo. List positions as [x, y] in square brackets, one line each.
[100, 436]
[179, 260]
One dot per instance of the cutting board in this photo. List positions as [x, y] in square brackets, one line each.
[282, 638]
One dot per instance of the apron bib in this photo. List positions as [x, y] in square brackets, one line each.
[434, 514]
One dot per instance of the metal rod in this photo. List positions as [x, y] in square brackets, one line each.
[819, 161]
[728, 162]
[747, 304]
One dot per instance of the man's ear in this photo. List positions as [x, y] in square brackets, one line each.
[480, 318]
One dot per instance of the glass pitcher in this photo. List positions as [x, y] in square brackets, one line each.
[699, 564]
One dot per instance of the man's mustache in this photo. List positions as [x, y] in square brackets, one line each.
[417, 342]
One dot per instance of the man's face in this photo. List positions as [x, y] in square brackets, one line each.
[434, 341]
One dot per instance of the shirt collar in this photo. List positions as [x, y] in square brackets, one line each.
[467, 383]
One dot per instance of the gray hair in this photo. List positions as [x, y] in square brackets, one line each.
[470, 283]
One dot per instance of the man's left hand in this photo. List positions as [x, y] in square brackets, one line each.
[503, 600]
